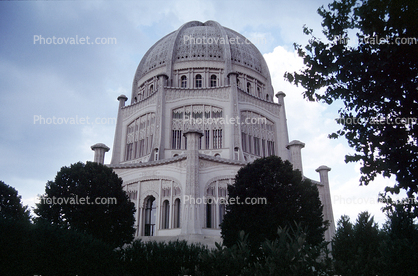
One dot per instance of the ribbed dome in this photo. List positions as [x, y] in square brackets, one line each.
[204, 42]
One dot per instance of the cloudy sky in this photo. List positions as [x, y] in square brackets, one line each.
[40, 81]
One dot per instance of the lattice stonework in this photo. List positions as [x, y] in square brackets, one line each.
[139, 136]
[199, 42]
[208, 119]
[216, 194]
[257, 134]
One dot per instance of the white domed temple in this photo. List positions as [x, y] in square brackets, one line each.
[201, 108]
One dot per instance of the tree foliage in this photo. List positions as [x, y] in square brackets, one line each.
[375, 76]
[11, 207]
[111, 222]
[160, 258]
[42, 249]
[287, 254]
[400, 243]
[289, 199]
[355, 248]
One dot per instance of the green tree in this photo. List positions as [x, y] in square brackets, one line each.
[10, 204]
[89, 198]
[42, 249]
[160, 258]
[375, 77]
[343, 246]
[289, 199]
[287, 254]
[355, 248]
[399, 247]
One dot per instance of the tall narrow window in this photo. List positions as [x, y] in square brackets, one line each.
[244, 141]
[176, 139]
[150, 217]
[166, 215]
[263, 145]
[129, 151]
[198, 81]
[270, 148]
[248, 87]
[257, 146]
[221, 213]
[213, 81]
[217, 138]
[136, 150]
[207, 138]
[176, 213]
[183, 81]
[258, 92]
[151, 89]
[141, 147]
[209, 215]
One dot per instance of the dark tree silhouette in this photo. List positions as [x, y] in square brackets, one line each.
[355, 248]
[289, 199]
[89, 198]
[10, 204]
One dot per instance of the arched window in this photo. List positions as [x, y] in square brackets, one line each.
[183, 81]
[176, 219]
[198, 81]
[267, 97]
[166, 215]
[150, 216]
[248, 87]
[258, 92]
[213, 81]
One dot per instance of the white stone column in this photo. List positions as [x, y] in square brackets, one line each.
[282, 135]
[99, 152]
[326, 201]
[295, 148]
[235, 129]
[159, 209]
[191, 218]
[117, 142]
[170, 216]
[138, 210]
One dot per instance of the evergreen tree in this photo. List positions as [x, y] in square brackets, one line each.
[355, 248]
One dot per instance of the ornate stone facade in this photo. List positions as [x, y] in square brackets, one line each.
[201, 108]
